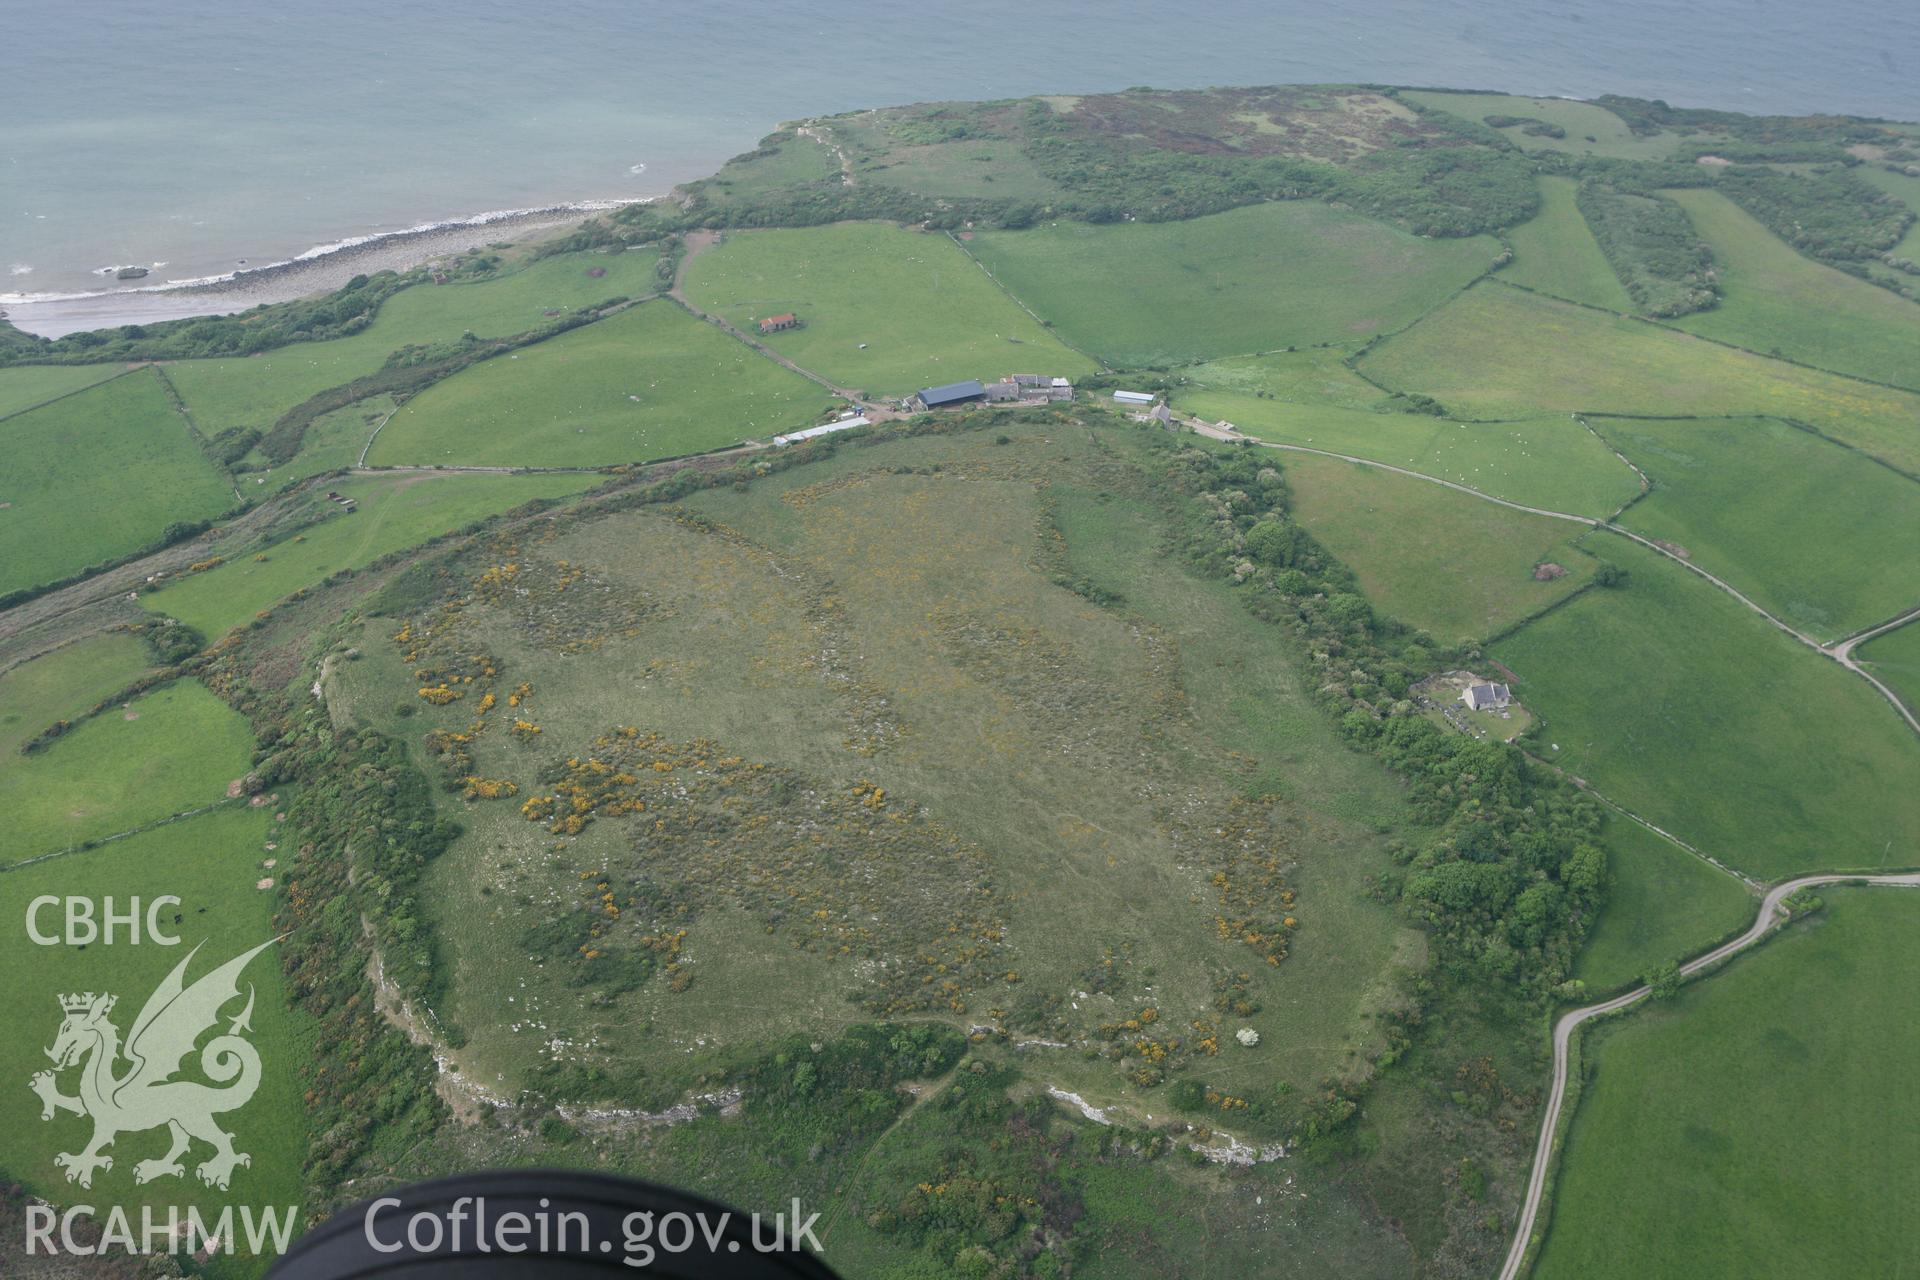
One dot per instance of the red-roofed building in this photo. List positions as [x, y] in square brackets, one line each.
[774, 324]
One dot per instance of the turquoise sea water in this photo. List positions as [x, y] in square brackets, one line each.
[197, 133]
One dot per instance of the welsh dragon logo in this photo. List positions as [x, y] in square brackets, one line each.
[145, 1095]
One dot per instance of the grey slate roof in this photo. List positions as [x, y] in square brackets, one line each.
[952, 393]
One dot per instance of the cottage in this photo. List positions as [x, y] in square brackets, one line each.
[954, 393]
[1162, 415]
[774, 324]
[1487, 697]
[998, 392]
[1134, 397]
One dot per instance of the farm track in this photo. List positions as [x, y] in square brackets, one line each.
[1840, 651]
[1770, 917]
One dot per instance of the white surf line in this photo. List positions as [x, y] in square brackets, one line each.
[1836, 652]
[1765, 922]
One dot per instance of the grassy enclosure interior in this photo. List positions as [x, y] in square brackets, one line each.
[872, 639]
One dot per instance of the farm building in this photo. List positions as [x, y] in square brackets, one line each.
[1487, 697]
[1134, 397]
[1060, 389]
[774, 324]
[1029, 380]
[954, 393]
[825, 428]
[999, 392]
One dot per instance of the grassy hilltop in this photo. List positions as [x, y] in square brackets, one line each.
[1047, 842]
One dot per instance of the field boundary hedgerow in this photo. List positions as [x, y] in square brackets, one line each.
[1020, 302]
[1834, 652]
[41, 404]
[94, 842]
[1655, 322]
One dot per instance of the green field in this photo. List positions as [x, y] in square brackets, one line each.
[1774, 301]
[96, 476]
[882, 309]
[650, 382]
[24, 386]
[1555, 356]
[1662, 904]
[1316, 376]
[1752, 1126]
[1895, 658]
[876, 619]
[1674, 700]
[1556, 253]
[211, 863]
[253, 391]
[1553, 463]
[1453, 565]
[395, 511]
[172, 749]
[1582, 120]
[1290, 273]
[62, 684]
[1820, 536]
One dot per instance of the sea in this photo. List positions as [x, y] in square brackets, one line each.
[197, 137]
